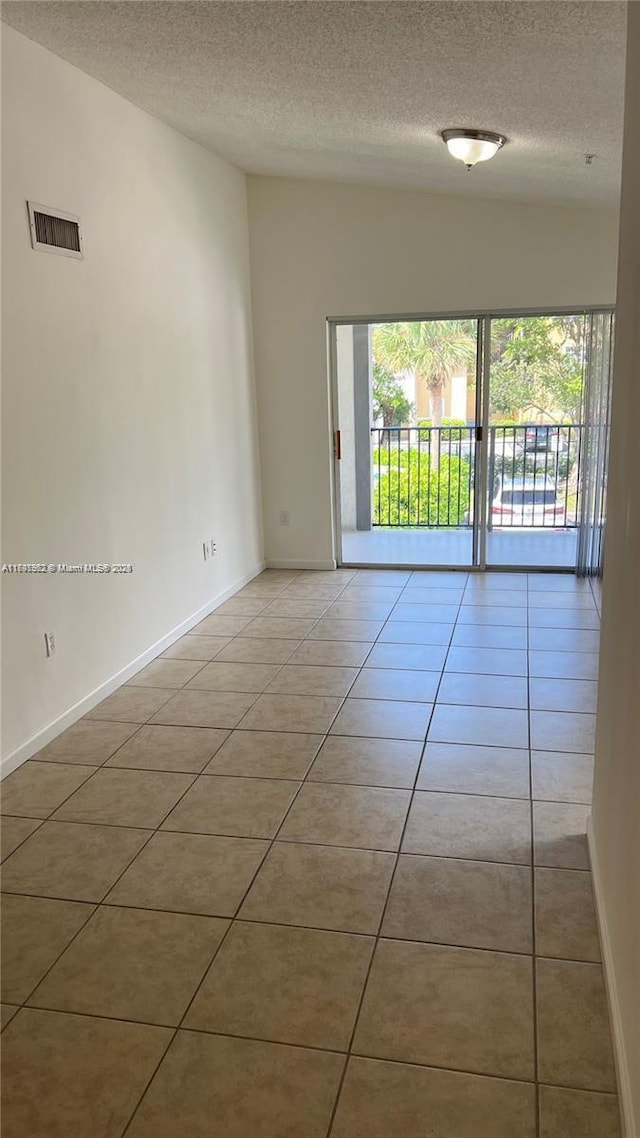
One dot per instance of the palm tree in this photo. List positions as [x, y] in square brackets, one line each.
[433, 350]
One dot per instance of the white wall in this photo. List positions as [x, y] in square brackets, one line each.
[129, 425]
[320, 249]
[615, 831]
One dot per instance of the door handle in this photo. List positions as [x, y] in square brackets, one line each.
[337, 445]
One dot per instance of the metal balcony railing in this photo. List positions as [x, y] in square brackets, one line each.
[424, 477]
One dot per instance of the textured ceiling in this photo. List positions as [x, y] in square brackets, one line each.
[359, 91]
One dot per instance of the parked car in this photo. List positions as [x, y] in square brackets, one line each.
[545, 439]
[527, 501]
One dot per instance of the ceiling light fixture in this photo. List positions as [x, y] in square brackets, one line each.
[472, 146]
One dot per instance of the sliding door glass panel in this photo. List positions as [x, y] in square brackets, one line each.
[406, 396]
[595, 443]
[535, 440]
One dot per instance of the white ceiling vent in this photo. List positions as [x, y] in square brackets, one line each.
[55, 231]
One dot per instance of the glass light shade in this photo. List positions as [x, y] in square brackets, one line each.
[473, 145]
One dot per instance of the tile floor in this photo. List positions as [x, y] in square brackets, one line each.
[243, 898]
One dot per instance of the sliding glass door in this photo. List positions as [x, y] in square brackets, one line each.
[407, 400]
[475, 442]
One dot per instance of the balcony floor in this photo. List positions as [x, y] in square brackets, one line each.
[517, 548]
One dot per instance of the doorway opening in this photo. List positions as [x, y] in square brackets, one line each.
[476, 441]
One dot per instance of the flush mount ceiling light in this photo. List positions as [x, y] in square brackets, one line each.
[472, 146]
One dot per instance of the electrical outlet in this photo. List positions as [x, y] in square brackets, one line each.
[284, 517]
[213, 547]
[49, 643]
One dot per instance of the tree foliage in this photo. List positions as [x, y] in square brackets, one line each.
[537, 363]
[411, 491]
[389, 400]
[431, 350]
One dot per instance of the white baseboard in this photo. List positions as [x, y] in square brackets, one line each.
[293, 564]
[9, 762]
[629, 1127]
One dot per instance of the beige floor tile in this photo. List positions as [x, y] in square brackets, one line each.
[369, 817]
[262, 1090]
[370, 592]
[266, 754]
[421, 1000]
[152, 979]
[487, 660]
[125, 798]
[222, 676]
[78, 863]
[205, 709]
[468, 903]
[565, 915]
[87, 742]
[7, 1012]
[421, 612]
[563, 731]
[196, 647]
[190, 873]
[215, 625]
[296, 607]
[35, 930]
[166, 674]
[14, 831]
[367, 762]
[513, 616]
[558, 776]
[242, 606]
[560, 835]
[332, 653]
[385, 1100]
[396, 683]
[416, 657]
[279, 627]
[425, 632]
[564, 665]
[131, 705]
[35, 789]
[320, 887]
[486, 726]
[563, 695]
[236, 807]
[501, 772]
[433, 595]
[75, 1075]
[469, 826]
[285, 984]
[476, 690]
[334, 628]
[182, 750]
[383, 719]
[511, 638]
[244, 650]
[563, 640]
[574, 1043]
[578, 1114]
[310, 679]
[306, 713]
[359, 610]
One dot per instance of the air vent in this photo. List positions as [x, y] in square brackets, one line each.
[54, 231]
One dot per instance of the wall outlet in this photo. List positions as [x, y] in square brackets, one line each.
[49, 643]
[213, 548]
[284, 517]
